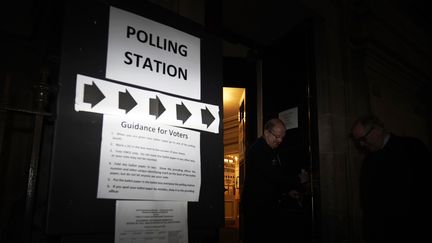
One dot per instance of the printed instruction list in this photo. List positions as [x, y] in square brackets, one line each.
[143, 160]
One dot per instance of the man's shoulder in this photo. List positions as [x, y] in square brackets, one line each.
[409, 143]
[406, 140]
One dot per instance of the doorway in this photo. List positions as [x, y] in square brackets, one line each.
[234, 148]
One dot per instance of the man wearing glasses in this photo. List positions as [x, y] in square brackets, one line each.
[388, 181]
[267, 184]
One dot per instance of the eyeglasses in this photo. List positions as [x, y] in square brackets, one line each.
[274, 135]
[363, 138]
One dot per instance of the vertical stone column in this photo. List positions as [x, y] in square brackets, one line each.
[342, 93]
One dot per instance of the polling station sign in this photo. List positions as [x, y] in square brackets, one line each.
[148, 54]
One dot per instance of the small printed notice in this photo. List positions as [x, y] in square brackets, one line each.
[148, 161]
[290, 118]
[151, 222]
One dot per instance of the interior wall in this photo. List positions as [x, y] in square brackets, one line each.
[231, 134]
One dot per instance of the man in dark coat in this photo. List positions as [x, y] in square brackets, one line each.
[267, 188]
[388, 181]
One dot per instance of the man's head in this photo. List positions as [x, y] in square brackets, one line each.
[368, 133]
[274, 132]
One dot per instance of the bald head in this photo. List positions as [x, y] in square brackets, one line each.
[274, 132]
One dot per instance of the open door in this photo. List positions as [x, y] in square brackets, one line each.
[234, 124]
[290, 61]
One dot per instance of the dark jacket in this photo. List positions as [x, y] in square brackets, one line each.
[388, 189]
[265, 195]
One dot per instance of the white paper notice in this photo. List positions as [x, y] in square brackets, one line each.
[149, 54]
[150, 161]
[290, 118]
[105, 97]
[151, 222]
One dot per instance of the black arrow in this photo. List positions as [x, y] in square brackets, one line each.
[207, 117]
[156, 107]
[126, 101]
[183, 113]
[92, 94]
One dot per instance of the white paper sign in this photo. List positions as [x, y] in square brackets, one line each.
[150, 161]
[151, 222]
[290, 118]
[101, 96]
[149, 54]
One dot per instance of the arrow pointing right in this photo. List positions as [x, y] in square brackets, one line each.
[126, 101]
[92, 94]
[207, 117]
[183, 113]
[156, 107]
